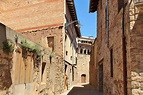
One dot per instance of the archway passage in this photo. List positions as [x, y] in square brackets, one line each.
[83, 78]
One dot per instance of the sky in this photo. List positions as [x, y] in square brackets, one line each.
[86, 19]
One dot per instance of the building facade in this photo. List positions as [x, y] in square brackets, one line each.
[26, 67]
[118, 60]
[83, 59]
[52, 24]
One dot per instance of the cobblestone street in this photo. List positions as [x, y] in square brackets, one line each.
[81, 89]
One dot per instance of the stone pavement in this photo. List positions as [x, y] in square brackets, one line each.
[81, 89]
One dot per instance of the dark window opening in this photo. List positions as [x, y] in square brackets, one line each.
[65, 68]
[88, 51]
[107, 22]
[81, 51]
[84, 51]
[72, 74]
[66, 52]
[65, 38]
[111, 62]
[76, 60]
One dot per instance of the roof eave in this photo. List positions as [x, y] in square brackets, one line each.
[72, 10]
[93, 5]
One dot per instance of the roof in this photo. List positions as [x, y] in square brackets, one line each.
[72, 10]
[93, 5]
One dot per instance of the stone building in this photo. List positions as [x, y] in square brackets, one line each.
[118, 55]
[52, 24]
[83, 59]
[26, 67]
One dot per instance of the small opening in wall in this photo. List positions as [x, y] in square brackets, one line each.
[66, 52]
[111, 62]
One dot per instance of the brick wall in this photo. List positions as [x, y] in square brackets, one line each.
[31, 14]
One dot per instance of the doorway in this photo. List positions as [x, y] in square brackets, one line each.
[83, 78]
[101, 77]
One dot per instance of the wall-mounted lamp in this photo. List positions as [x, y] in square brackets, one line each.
[69, 23]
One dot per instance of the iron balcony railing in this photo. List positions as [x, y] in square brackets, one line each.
[138, 1]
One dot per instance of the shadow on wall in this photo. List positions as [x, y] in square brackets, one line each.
[5, 75]
[5, 62]
[2, 34]
[83, 90]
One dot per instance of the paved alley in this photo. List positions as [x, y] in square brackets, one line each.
[82, 89]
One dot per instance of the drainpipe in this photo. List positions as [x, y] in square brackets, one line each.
[124, 50]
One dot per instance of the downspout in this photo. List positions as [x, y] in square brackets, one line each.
[124, 50]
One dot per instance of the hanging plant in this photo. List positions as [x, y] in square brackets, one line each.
[34, 49]
[38, 58]
[8, 46]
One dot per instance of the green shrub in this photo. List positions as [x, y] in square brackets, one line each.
[8, 46]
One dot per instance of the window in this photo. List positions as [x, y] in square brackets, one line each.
[88, 51]
[81, 51]
[66, 52]
[76, 60]
[65, 68]
[72, 74]
[120, 5]
[84, 51]
[111, 62]
[107, 22]
[50, 41]
[65, 38]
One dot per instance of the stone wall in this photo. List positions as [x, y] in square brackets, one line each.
[5, 69]
[83, 67]
[92, 66]
[136, 40]
[42, 79]
[40, 36]
[110, 49]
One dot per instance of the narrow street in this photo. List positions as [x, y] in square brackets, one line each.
[82, 89]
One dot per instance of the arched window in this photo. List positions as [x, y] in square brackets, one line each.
[85, 51]
[88, 51]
